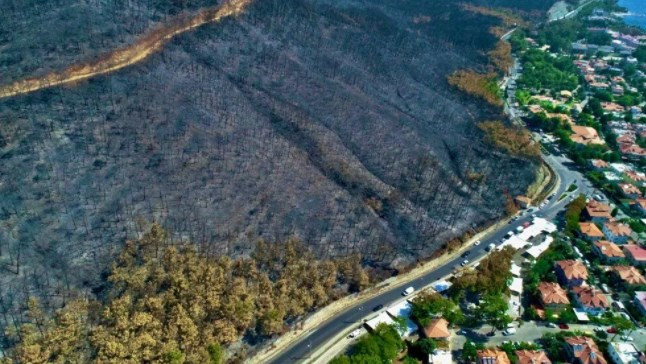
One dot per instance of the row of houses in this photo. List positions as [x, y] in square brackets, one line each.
[579, 349]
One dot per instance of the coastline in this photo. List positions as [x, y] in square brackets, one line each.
[632, 13]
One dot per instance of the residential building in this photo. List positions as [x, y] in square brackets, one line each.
[597, 212]
[552, 295]
[571, 272]
[612, 107]
[585, 135]
[532, 357]
[629, 190]
[632, 150]
[590, 231]
[440, 356]
[437, 329]
[636, 254]
[591, 300]
[639, 205]
[623, 353]
[492, 356]
[583, 350]
[608, 251]
[637, 177]
[617, 232]
[628, 275]
[640, 302]
[599, 164]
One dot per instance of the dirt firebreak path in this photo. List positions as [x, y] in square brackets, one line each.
[149, 43]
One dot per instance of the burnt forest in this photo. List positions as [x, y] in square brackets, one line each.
[332, 123]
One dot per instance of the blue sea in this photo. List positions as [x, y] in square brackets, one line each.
[637, 10]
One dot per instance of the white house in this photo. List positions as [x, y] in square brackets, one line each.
[623, 353]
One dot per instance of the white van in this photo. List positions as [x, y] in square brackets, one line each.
[408, 291]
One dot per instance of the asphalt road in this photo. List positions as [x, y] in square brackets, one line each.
[300, 352]
[563, 167]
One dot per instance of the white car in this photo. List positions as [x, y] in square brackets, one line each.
[626, 338]
[408, 291]
[465, 262]
[354, 333]
[510, 331]
[477, 243]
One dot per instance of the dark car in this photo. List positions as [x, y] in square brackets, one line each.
[378, 307]
[564, 326]
[612, 330]
[466, 253]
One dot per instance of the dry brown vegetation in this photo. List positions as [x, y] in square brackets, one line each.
[515, 141]
[173, 305]
[477, 84]
[508, 17]
[501, 56]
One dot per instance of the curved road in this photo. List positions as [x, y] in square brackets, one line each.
[300, 351]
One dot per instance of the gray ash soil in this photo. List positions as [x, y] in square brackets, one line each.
[331, 121]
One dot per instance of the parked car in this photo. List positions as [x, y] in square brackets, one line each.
[477, 243]
[465, 262]
[624, 315]
[509, 331]
[618, 305]
[378, 307]
[408, 291]
[612, 330]
[491, 247]
[551, 325]
[354, 333]
[564, 326]
[626, 338]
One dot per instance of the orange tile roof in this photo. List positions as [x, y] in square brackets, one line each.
[632, 148]
[600, 163]
[437, 329]
[573, 269]
[629, 274]
[611, 106]
[585, 135]
[595, 208]
[609, 249]
[532, 357]
[591, 230]
[637, 252]
[552, 293]
[637, 177]
[617, 228]
[588, 352]
[590, 297]
[491, 356]
[629, 189]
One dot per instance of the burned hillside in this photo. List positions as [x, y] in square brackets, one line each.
[329, 121]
